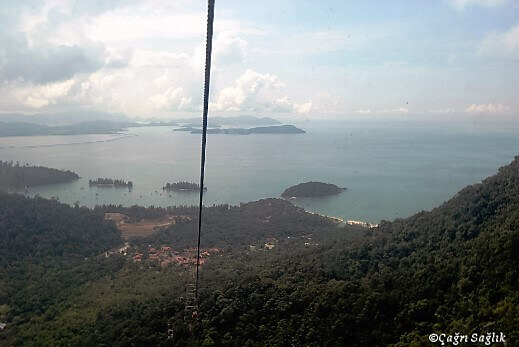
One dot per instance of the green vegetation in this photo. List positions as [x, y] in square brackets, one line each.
[453, 269]
[312, 190]
[20, 176]
[47, 251]
[110, 182]
[182, 186]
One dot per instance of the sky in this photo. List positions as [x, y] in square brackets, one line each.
[289, 59]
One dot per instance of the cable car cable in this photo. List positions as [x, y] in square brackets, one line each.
[208, 49]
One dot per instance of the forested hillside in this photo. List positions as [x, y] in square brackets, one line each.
[453, 269]
[47, 250]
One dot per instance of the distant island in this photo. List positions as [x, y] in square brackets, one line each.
[79, 124]
[182, 186]
[275, 129]
[110, 182]
[15, 175]
[312, 190]
[243, 120]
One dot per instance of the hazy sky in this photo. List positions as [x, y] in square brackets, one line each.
[313, 59]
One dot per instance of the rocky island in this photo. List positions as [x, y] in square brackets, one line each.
[312, 190]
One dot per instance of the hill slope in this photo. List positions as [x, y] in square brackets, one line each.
[450, 270]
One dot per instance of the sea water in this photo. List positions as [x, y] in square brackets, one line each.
[390, 169]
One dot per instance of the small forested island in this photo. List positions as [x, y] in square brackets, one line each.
[16, 175]
[110, 182]
[275, 129]
[312, 190]
[182, 186]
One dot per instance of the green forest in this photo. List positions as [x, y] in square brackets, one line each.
[449, 270]
[15, 175]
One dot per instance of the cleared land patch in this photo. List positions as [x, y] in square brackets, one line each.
[144, 227]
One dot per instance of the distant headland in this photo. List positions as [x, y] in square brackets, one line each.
[62, 124]
[274, 129]
[312, 190]
[16, 175]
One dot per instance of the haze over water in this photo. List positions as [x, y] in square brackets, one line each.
[390, 169]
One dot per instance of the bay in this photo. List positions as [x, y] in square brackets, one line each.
[390, 169]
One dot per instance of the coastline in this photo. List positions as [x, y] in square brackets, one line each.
[341, 222]
[116, 137]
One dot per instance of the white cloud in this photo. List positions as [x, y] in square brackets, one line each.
[229, 48]
[43, 45]
[303, 108]
[125, 25]
[487, 108]
[243, 96]
[504, 44]
[384, 111]
[254, 91]
[172, 99]
[136, 57]
[154, 19]
[152, 82]
[447, 110]
[16, 95]
[462, 4]
[284, 104]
